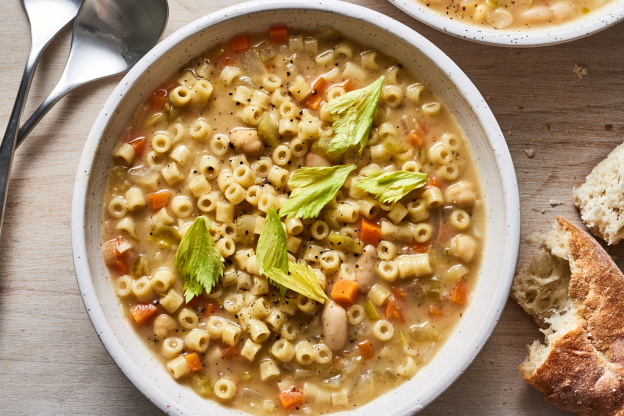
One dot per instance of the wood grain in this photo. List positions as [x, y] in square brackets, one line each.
[52, 363]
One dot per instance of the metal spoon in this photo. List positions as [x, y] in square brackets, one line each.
[109, 37]
[47, 18]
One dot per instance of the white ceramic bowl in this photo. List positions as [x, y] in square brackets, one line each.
[601, 19]
[368, 27]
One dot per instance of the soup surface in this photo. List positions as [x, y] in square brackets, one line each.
[514, 14]
[223, 142]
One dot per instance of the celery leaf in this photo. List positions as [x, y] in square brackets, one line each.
[198, 260]
[353, 115]
[313, 188]
[271, 253]
[392, 186]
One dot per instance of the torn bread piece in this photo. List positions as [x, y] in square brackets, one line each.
[575, 292]
[601, 198]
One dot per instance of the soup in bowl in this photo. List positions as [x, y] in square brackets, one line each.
[291, 221]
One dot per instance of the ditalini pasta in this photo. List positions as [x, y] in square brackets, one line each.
[221, 139]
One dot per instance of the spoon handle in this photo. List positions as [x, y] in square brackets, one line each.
[57, 93]
[9, 142]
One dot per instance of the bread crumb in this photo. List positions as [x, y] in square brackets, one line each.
[580, 71]
[543, 211]
[555, 202]
[529, 152]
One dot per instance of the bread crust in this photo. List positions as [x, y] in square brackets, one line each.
[584, 369]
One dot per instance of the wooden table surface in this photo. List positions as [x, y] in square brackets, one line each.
[51, 361]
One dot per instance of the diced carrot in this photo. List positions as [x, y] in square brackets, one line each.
[123, 266]
[210, 309]
[139, 145]
[348, 85]
[142, 312]
[193, 361]
[278, 34]
[434, 310]
[239, 43]
[460, 293]
[229, 353]
[225, 59]
[320, 85]
[345, 292]
[393, 311]
[366, 349]
[113, 258]
[416, 139]
[110, 252]
[318, 90]
[290, 398]
[193, 302]
[370, 233]
[433, 181]
[419, 247]
[314, 101]
[157, 100]
[400, 293]
[159, 199]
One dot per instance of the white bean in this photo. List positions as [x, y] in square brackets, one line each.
[334, 326]
[365, 270]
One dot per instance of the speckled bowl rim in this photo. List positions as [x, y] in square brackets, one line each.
[605, 17]
[501, 159]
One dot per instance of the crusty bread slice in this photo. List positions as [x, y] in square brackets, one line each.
[581, 365]
[601, 198]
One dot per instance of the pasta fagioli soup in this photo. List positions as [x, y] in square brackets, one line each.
[293, 223]
[516, 14]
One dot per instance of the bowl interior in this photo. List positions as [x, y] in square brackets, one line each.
[385, 34]
[608, 15]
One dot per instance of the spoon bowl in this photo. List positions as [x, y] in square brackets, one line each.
[109, 37]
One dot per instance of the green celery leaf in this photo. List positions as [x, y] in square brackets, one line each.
[313, 188]
[353, 115]
[198, 260]
[392, 186]
[300, 279]
[271, 252]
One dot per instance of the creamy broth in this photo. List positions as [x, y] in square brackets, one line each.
[193, 149]
[514, 14]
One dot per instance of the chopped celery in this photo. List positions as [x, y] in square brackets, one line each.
[172, 112]
[344, 242]
[247, 376]
[119, 172]
[267, 130]
[252, 64]
[245, 225]
[394, 145]
[202, 385]
[423, 332]
[266, 51]
[140, 267]
[586, 10]
[321, 146]
[401, 338]
[370, 311]
[433, 289]
[165, 236]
